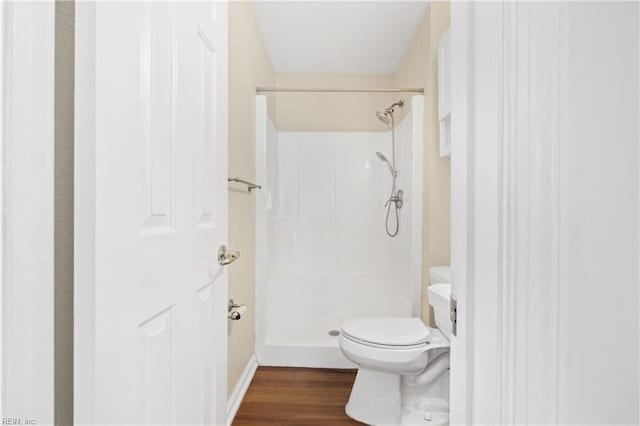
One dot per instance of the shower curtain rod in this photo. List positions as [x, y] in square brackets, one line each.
[322, 90]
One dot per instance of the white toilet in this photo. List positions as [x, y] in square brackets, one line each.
[403, 365]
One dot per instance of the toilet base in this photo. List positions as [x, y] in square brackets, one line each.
[389, 399]
[417, 417]
[375, 398]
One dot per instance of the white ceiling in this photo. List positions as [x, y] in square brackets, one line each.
[338, 37]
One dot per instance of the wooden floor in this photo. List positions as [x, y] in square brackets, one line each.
[297, 396]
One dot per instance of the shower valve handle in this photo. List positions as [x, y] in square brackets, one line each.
[398, 199]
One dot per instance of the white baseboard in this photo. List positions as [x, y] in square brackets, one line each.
[235, 399]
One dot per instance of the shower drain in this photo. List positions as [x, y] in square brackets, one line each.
[334, 333]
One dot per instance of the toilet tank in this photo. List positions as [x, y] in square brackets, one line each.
[440, 299]
[440, 274]
[439, 293]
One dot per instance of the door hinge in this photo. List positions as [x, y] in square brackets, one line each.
[453, 314]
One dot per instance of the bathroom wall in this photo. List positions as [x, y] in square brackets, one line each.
[249, 66]
[419, 69]
[63, 211]
[340, 112]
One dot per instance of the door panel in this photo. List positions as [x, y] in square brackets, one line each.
[156, 350]
[157, 93]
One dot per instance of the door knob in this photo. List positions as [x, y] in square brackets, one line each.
[226, 257]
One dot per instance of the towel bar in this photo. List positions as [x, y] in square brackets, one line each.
[250, 185]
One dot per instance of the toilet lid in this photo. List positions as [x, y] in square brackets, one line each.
[391, 331]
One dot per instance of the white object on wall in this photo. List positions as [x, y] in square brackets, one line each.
[444, 93]
[27, 297]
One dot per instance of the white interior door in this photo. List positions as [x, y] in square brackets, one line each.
[151, 156]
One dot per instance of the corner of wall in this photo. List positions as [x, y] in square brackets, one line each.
[249, 66]
[419, 68]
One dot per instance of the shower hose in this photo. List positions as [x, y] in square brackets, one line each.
[394, 196]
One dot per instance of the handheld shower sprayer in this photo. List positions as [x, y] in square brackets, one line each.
[383, 158]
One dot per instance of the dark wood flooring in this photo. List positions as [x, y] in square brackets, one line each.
[297, 396]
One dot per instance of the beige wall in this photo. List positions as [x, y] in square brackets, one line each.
[249, 66]
[339, 112]
[63, 227]
[419, 68]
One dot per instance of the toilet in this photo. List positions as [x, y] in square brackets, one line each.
[403, 365]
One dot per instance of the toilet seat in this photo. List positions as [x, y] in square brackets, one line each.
[392, 359]
[388, 332]
[394, 345]
[382, 346]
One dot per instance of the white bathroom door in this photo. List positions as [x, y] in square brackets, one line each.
[151, 213]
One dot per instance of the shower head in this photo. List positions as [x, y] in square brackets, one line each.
[387, 115]
[383, 158]
[383, 116]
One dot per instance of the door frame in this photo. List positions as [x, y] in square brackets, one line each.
[3, 112]
[27, 64]
[509, 74]
[461, 225]
[84, 213]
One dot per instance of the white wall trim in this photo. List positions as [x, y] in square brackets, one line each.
[236, 397]
[3, 82]
[84, 214]
[462, 142]
[529, 217]
[507, 198]
[27, 312]
[507, 64]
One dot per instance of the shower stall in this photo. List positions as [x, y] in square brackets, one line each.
[323, 253]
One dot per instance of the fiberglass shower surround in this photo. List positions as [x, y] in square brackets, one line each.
[323, 255]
